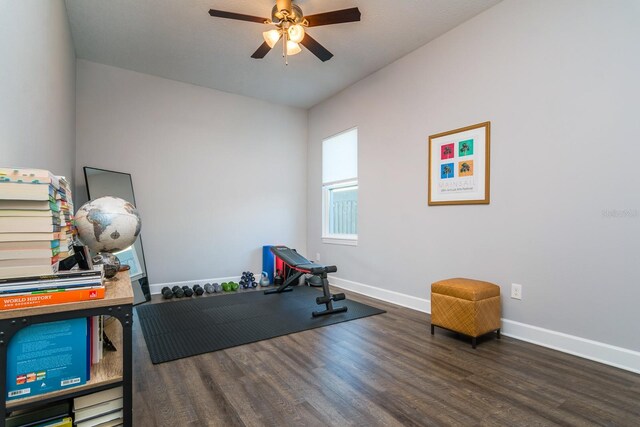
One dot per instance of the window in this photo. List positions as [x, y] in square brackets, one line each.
[340, 188]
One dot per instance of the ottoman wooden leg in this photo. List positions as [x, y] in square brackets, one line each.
[432, 329]
[498, 332]
[473, 342]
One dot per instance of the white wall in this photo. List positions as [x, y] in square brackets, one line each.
[37, 86]
[215, 175]
[559, 82]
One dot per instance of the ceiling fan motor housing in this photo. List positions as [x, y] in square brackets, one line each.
[283, 5]
[284, 11]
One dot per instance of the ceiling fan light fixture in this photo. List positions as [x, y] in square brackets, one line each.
[291, 23]
[293, 48]
[296, 33]
[271, 37]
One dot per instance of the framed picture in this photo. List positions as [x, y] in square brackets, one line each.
[459, 166]
[130, 257]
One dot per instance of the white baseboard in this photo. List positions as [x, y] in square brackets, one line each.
[156, 288]
[618, 357]
[414, 303]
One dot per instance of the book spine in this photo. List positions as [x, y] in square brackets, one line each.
[94, 340]
[88, 348]
[74, 275]
[49, 291]
[100, 337]
[5, 291]
[12, 302]
[60, 283]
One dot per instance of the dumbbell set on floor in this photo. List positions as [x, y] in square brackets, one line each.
[212, 288]
[247, 281]
[186, 291]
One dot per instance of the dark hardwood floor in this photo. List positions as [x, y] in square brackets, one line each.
[384, 370]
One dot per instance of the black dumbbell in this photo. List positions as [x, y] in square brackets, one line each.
[177, 291]
[167, 293]
[254, 284]
[208, 288]
[198, 290]
[188, 292]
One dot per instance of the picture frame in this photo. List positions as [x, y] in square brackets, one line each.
[129, 257]
[459, 166]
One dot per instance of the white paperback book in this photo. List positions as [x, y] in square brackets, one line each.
[96, 398]
[100, 418]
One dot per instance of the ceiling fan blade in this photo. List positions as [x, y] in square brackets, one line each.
[262, 51]
[238, 16]
[316, 48]
[334, 17]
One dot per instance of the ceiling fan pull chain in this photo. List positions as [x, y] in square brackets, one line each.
[285, 37]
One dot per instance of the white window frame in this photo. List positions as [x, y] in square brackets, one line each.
[337, 239]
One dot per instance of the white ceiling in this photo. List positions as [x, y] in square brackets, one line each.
[177, 39]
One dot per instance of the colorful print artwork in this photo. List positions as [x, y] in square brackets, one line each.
[465, 148]
[459, 166]
[447, 151]
[465, 168]
[446, 170]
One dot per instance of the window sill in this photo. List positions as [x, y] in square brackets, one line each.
[340, 241]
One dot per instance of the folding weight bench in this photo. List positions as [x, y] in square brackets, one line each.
[301, 266]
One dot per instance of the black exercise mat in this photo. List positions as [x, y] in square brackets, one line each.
[183, 328]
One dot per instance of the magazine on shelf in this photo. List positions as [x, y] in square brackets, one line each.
[62, 422]
[38, 414]
[47, 357]
[60, 276]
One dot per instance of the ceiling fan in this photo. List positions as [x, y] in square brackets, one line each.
[290, 25]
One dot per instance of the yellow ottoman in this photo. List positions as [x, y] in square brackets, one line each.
[467, 306]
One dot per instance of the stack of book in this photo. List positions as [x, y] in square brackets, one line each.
[103, 409]
[31, 223]
[62, 287]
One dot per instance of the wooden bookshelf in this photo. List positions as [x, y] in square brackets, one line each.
[116, 366]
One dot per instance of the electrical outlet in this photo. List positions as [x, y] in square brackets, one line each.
[516, 291]
[317, 256]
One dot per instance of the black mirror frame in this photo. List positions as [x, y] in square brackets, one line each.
[143, 281]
